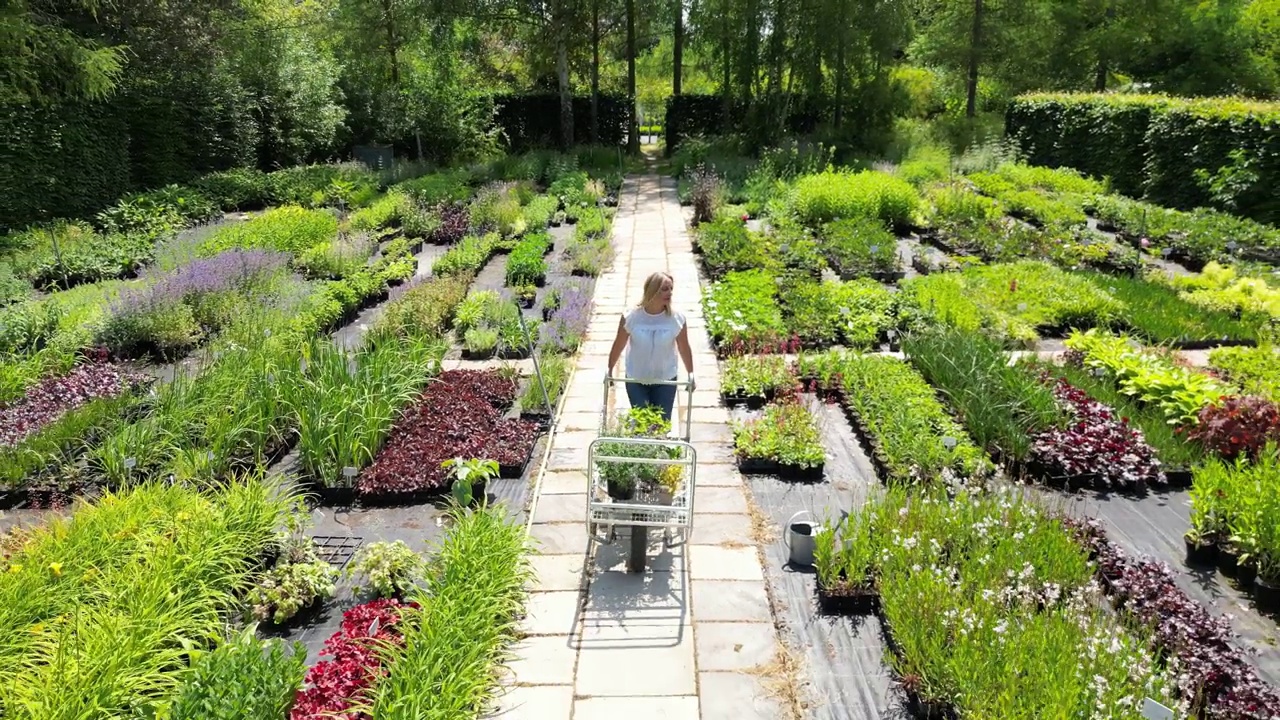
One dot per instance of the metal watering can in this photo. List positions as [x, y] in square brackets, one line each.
[802, 538]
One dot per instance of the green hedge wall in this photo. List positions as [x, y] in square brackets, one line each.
[1151, 145]
[532, 120]
[690, 115]
[68, 160]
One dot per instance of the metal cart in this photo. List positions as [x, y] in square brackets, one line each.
[650, 506]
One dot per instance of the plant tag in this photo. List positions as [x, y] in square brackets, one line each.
[1022, 307]
[948, 442]
[1165, 251]
[1152, 710]
[892, 333]
[1232, 246]
[351, 367]
[271, 378]
[1099, 372]
[209, 456]
[129, 463]
[874, 249]
[349, 471]
[266, 332]
[302, 364]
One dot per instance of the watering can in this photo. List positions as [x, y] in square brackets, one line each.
[801, 538]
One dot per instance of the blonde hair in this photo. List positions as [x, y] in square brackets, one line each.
[653, 285]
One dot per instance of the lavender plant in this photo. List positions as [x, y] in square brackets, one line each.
[174, 311]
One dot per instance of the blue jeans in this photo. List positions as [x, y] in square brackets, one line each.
[662, 397]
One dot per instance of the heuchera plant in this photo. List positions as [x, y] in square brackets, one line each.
[54, 396]
[1237, 425]
[457, 416]
[1208, 665]
[333, 685]
[455, 220]
[1095, 441]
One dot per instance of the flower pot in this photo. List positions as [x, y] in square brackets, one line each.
[620, 492]
[664, 497]
[1267, 594]
[1246, 573]
[1228, 560]
[479, 492]
[1202, 553]
[1180, 478]
[547, 313]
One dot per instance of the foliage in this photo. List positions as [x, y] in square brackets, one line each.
[1180, 393]
[465, 617]
[468, 256]
[727, 245]
[761, 376]
[1003, 406]
[356, 660]
[622, 476]
[390, 568]
[786, 433]
[55, 396]
[141, 580]
[860, 247]
[1161, 315]
[743, 308]
[243, 679]
[456, 416]
[1158, 141]
[1256, 370]
[869, 194]
[425, 310]
[1237, 426]
[525, 264]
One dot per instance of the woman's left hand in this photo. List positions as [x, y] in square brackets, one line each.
[693, 383]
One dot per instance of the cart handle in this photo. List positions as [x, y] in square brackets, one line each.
[610, 380]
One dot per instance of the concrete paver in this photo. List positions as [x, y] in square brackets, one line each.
[671, 643]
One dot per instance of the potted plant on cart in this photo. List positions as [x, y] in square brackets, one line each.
[622, 479]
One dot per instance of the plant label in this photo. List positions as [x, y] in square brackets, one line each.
[1152, 710]
[349, 471]
[1022, 307]
[266, 332]
[129, 463]
[1099, 372]
[351, 367]
[948, 442]
[1166, 251]
[874, 249]
[302, 364]
[209, 456]
[1232, 246]
[271, 378]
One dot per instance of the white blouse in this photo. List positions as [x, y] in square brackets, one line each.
[651, 352]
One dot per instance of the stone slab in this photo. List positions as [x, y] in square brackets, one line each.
[556, 572]
[715, 562]
[551, 613]
[616, 708]
[736, 696]
[734, 645]
[730, 601]
[545, 702]
[544, 660]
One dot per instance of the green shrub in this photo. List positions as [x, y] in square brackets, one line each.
[238, 189]
[425, 310]
[388, 211]
[526, 264]
[859, 247]
[726, 245]
[243, 679]
[538, 213]
[870, 194]
[430, 190]
[468, 256]
[742, 311]
[956, 203]
[289, 229]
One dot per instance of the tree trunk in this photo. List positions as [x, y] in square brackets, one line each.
[726, 50]
[633, 128]
[841, 28]
[392, 45]
[971, 103]
[677, 64]
[595, 72]
[562, 75]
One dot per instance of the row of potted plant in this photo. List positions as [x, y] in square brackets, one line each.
[784, 440]
[1213, 675]
[1032, 420]
[910, 434]
[988, 608]
[458, 415]
[138, 582]
[1235, 521]
[54, 396]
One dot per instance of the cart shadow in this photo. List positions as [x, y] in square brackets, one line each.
[635, 610]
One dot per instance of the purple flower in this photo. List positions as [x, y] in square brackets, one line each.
[233, 270]
[568, 325]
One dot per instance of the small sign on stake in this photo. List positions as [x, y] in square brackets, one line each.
[1232, 246]
[351, 367]
[349, 471]
[1022, 307]
[1152, 710]
[874, 249]
[129, 463]
[1166, 251]
[948, 442]
[302, 364]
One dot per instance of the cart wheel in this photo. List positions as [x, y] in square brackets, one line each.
[639, 548]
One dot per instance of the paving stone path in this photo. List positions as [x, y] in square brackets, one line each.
[693, 637]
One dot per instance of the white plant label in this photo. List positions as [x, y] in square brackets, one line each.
[1166, 251]
[874, 249]
[129, 463]
[209, 456]
[351, 367]
[1099, 372]
[948, 442]
[1022, 307]
[1232, 246]
[349, 471]
[302, 364]
[1152, 710]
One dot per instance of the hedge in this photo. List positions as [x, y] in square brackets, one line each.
[1151, 145]
[532, 120]
[690, 115]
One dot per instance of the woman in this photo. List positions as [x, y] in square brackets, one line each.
[654, 333]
